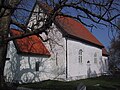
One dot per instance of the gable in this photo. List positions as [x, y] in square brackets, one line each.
[31, 45]
[72, 28]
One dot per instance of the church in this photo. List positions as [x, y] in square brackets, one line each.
[70, 53]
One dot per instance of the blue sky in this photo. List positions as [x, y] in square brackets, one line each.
[102, 36]
[101, 32]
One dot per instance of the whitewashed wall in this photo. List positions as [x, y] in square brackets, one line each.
[21, 68]
[78, 70]
[56, 46]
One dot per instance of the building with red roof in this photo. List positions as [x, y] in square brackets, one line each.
[72, 52]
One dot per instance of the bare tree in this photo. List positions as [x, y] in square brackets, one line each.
[103, 12]
[114, 52]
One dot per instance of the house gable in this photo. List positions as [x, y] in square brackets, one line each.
[71, 28]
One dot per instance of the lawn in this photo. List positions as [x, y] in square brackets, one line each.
[99, 83]
[102, 83]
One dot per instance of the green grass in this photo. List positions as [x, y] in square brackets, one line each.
[51, 85]
[105, 83]
[100, 83]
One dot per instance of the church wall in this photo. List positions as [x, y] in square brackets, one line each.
[86, 68]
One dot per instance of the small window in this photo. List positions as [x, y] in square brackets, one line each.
[95, 58]
[56, 59]
[37, 64]
[80, 55]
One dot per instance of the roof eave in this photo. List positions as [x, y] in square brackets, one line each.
[83, 40]
[105, 55]
[32, 54]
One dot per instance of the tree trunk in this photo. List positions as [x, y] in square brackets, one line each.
[5, 14]
[2, 64]
[4, 30]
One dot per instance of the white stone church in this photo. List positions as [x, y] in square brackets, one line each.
[70, 53]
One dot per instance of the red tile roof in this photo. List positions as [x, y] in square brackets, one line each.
[104, 52]
[76, 29]
[29, 45]
[72, 27]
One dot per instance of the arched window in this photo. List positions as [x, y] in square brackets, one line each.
[80, 55]
[95, 58]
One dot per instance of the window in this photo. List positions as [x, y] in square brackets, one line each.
[37, 64]
[56, 59]
[95, 58]
[80, 55]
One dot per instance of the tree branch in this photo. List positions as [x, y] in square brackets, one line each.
[22, 26]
